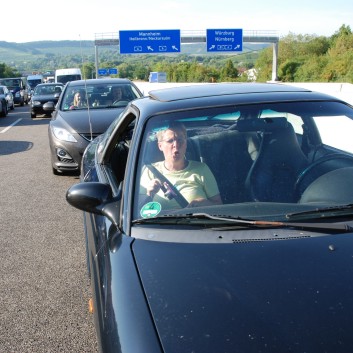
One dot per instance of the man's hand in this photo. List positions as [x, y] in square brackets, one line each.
[153, 187]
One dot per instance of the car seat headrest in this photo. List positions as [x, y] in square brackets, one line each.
[262, 124]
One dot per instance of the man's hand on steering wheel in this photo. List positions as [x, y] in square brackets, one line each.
[170, 191]
[153, 187]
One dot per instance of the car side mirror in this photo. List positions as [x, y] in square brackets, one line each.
[49, 107]
[95, 197]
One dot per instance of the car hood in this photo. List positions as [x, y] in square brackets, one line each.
[271, 296]
[80, 120]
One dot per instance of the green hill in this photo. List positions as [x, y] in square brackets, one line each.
[10, 52]
[49, 55]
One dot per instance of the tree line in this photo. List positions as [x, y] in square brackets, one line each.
[301, 58]
[308, 58]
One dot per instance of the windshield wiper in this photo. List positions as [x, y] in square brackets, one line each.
[324, 212]
[188, 218]
[192, 218]
[223, 223]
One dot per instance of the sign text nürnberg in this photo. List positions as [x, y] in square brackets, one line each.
[224, 40]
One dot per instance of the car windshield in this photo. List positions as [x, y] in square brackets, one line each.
[47, 89]
[11, 82]
[34, 83]
[98, 96]
[260, 161]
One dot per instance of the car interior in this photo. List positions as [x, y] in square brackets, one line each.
[99, 96]
[47, 89]
[270, 157]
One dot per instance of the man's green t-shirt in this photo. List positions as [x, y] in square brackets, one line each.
[193, 182]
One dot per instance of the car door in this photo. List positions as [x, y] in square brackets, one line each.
[114, 279]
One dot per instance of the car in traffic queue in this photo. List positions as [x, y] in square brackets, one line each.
[30, 92]
[18, 87]
[2, 107]
[267, 269]
[74, 124]
[44, 93]
[7, 101]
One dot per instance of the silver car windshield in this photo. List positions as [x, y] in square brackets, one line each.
[98, 96]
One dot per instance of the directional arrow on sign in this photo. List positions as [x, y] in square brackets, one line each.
[152, 41]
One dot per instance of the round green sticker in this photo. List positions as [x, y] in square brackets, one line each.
[151, 209]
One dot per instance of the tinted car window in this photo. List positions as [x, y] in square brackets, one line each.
[230, 140]
[99, 96]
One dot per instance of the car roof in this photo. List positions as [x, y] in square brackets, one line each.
[219, 94]
[50, 84]
[98, 81]
[16, 77]
[219, 89]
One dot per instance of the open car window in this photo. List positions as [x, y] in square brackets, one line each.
[341, 140]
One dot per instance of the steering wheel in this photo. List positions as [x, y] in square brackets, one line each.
[120, 103]
[172, 191]
[309, 169]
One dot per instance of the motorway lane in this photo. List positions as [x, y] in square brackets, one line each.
[44, 289]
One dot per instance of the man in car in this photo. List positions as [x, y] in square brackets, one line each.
[116, 95]
[192, 179]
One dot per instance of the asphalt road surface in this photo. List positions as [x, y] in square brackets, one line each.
[44, 289]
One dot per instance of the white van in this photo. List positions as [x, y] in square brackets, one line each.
[66, 75]
[34, 80]
[157, 77]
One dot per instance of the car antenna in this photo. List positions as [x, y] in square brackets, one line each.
[86, 95]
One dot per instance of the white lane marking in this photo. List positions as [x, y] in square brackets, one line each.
[10, 126]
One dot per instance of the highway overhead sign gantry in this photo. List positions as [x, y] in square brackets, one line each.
[149, 41]
[224, 40]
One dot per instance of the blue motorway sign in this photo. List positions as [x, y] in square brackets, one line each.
[224, 40]
[102, 72]
[151, 41]
[105, 72]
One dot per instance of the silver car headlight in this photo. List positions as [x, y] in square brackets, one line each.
[63, 134]
[36, 103]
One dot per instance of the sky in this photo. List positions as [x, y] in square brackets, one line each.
[40, 20]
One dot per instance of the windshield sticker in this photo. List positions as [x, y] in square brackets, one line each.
[151, 209]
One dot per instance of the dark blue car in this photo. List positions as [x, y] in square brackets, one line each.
[19, 89]
[219, 218]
